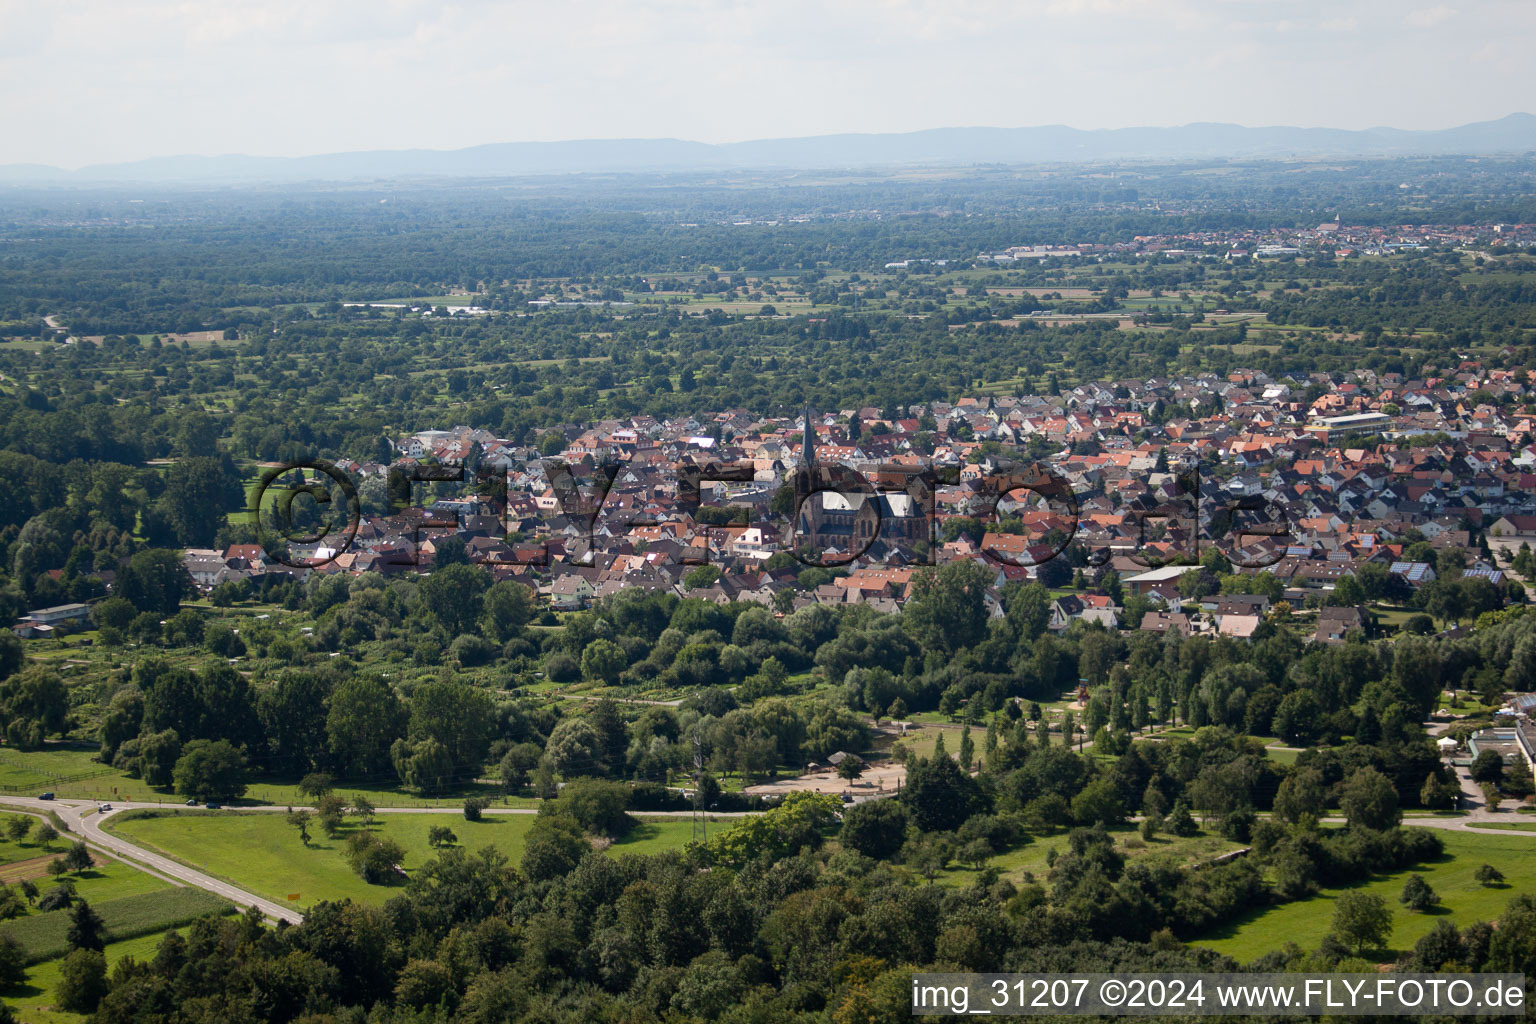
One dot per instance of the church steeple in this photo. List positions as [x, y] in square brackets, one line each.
[808, 441]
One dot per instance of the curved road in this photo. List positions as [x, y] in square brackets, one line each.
[82, 820]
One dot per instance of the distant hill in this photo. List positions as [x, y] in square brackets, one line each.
[937, 146]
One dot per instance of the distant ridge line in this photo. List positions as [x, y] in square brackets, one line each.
[1515, 133]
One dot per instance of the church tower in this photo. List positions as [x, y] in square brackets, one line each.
[808, 441]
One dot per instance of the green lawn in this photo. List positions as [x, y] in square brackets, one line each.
[261, 852]
[115, 785]
[1032, 857]
[31, 999]
[1306, 921]
[11, 852]
[106, 881]
[655, 835]
[41, 768]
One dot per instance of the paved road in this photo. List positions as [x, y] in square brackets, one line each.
[88, 826]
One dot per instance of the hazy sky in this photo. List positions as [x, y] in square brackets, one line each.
[87, 82]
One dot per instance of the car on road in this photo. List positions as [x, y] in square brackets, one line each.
[192, 802]
[45, 796]
[103, 808]
[213, 806]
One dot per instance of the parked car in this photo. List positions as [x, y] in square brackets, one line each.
[192, 802]
[213, 806]
[45, 796]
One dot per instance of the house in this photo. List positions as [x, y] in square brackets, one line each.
[1514, 527]
[1240, 604]
[1334, 623]
[1240, 626]
[1143, 582]
[570, 593]
[42, 621]
[1416, 573]
[1094, 607]
[1165, 622]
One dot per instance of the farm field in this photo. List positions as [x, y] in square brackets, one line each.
[43, 935]
[1463, 899]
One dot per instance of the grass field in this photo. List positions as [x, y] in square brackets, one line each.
[1032, 857]
[1463, 899]
[31, 999]
[262, 853]
[42, 768]
[43, 935]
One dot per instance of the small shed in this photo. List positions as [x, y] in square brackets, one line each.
[1447, 745]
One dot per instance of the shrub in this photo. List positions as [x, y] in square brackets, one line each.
[375, 858]
[597, 805]
[1238, 825]
[1417, 895]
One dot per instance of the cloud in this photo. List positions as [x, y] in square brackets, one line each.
[1429, 17]
[88, 81]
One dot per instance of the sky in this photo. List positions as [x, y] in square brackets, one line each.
[85, 82]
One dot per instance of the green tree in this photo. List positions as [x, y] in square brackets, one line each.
[508, 608]
[1418, 896]
[82, 981]
[199, 494]
[455, 595]
[554, 847]
[86, 928]
[1488, 766]
[78, 858]
[597, 805]
[850, 768]
[875, 828]
[1369, 800]
[375, 858]
[300, 820]
[364, 720]
[426, 765]
[154, 580]
[34, 704]
[701, 577]
[1300, 796]
[602, 661]
[45, 835]
[13, 963]
[947, 608]
[1099, 802]
[1361, 920]
[158, 754]
[457, 716]
[210, 770]
[939, 795]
